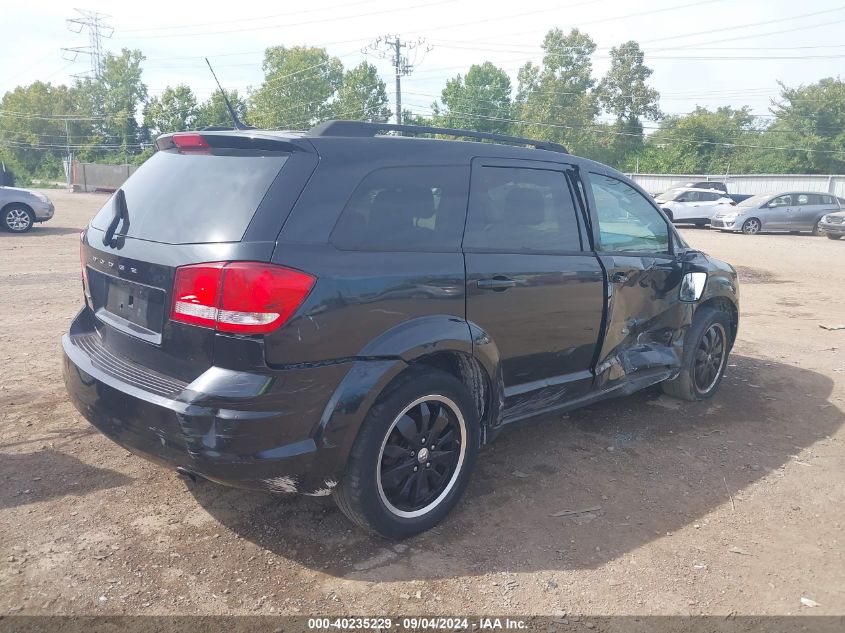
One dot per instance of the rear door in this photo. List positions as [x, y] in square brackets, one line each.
[644, 314]
[813, 207]
[532, 283]
[224, 202]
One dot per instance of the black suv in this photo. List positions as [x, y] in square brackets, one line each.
[352, 313]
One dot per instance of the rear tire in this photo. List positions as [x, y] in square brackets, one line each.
[413, 456]
[706, 349]
[752, 226]
[816, 229]
[833, 237]
[17, 218]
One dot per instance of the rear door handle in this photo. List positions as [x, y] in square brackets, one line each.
[496, 283]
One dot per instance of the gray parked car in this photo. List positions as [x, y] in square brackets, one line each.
[21, 208]
[833, 224]
[792, 211]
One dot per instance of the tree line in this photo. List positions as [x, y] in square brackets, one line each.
[616, 119]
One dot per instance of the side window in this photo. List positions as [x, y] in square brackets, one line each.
[405, 209]
[627, 221]
[517, 210]
[803, 198]
[827, 200]
[712, 197]
[781, 201]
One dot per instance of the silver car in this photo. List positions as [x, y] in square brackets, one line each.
[792, 211]
[833, 224]
[21, 208]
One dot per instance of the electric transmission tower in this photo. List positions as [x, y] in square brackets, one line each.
[98, 30]
[390, 46]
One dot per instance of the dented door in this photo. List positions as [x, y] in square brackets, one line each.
[645, 320]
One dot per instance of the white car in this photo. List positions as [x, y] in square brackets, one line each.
[687, 205]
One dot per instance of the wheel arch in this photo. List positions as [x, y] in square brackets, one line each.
[725, 304]
[16, 203]
[442, 342]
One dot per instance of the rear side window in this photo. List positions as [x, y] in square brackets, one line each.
[192, 198]
[517, 210]
[406, 209]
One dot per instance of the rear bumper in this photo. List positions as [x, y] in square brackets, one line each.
[240, 429]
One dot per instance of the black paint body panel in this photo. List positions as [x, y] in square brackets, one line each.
[281, 411]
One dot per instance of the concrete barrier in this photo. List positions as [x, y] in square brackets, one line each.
[96, 177]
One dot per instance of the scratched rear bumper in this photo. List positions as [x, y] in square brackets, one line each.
[265, 438]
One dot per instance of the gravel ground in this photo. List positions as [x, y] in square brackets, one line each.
[730, 506]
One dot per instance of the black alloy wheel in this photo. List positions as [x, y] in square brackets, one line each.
[421, 455]
[710, 358]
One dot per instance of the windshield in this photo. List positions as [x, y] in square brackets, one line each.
[670, 195]
[184, 198]
[756, 201]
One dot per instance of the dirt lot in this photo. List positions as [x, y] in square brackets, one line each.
[734, 505]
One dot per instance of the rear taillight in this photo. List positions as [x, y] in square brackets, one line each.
[191, 143]
[241, 297]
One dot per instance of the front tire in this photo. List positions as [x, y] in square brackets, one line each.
[751, 226]
[17, 218]
[706, 348]
[816, 230]
[413, 456]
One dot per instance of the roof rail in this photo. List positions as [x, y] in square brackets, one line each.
[366, 129]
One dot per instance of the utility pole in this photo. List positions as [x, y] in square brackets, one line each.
[98, 30]
[397, 65]
[392, 45]
[69, 159]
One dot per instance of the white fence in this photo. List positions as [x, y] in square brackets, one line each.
[750, 185]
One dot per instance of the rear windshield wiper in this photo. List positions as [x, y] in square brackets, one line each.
[120, 216]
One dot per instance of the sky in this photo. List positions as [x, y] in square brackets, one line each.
[703, 52]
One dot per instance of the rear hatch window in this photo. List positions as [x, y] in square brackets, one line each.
[194, 198]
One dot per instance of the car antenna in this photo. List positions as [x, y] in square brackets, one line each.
[235, 121]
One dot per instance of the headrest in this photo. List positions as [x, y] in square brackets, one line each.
[392, 207]
[524, 206]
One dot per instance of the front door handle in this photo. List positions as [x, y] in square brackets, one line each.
[497, 283]
[619, 278]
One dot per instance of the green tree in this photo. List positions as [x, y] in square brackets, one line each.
[174, 111]
[556, 100]
[362, 95]
[299, 83]
[214, 113]
[480, 101]
[115, 97]
[812, 118]
[624, 94]
[36, 123]
[704, 141]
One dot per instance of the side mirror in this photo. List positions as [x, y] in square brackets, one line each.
[692, 286]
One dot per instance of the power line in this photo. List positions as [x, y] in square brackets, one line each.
[172, 27]
[425, 5]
